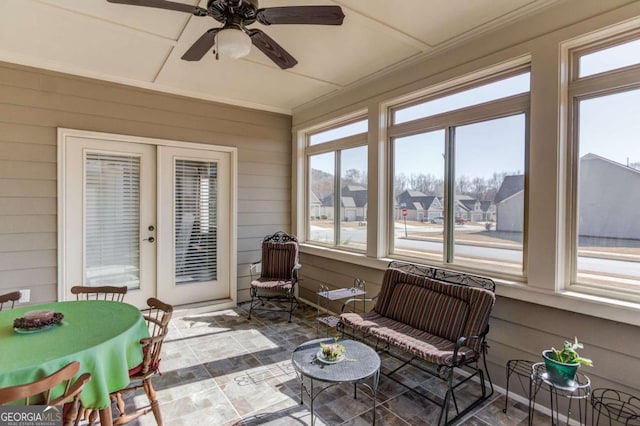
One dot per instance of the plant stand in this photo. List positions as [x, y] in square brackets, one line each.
[580, 393]
[522, 369]
[615, 405]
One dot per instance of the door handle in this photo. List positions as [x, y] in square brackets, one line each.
[150, 239]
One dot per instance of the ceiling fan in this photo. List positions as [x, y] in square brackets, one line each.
[234, 38]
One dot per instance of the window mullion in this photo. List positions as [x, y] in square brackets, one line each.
[337, 201]
[450, 191]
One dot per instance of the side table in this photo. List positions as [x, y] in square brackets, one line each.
[621, 407]
[579, 392]
[361, 364]
[325, 296]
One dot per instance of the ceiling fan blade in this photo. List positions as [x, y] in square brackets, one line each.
[273, 50]
[318, 15]
[201, 46]
[164, 4]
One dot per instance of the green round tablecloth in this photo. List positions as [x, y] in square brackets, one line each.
[103, 336]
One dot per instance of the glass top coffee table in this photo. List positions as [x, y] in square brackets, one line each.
[359, 365]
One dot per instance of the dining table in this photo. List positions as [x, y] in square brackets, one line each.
[104, 336]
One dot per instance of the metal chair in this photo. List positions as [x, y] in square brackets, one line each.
[40, 392]
[105, 292]
[157, 317]
[12, 297]
[278, 273]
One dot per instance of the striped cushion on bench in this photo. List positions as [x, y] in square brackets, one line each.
[425, 316]
[424, 345]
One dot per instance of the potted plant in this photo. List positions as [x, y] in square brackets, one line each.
[562, 364]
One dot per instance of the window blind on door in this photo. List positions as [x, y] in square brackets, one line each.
[195, 221]
[112, 219]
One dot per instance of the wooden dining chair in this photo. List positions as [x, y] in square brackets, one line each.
[39, 392]
[157, 317]
[105, 292]
[12, 297]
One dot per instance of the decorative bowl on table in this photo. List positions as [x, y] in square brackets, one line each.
[331, 352]
[34, 321]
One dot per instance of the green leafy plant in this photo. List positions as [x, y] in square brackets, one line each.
[569, 355]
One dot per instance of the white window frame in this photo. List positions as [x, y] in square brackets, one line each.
[576, 89]
[504, 107]
[334, 145]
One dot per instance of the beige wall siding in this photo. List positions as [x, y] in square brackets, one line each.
[34, 103]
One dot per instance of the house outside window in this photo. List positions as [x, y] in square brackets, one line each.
[604, 189]
[458, 178]
[337, 186]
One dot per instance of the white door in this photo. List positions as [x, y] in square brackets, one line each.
[193, 218]
[154, 218]
[110, 217]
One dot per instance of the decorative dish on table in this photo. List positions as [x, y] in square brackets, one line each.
[331, 353]
[35, 321]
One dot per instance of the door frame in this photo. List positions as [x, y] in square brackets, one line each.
[64, 134]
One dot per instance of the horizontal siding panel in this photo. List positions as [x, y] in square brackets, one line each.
[263, 169]
[27, 170]
[12, 132]
[27, 188]
[28, 242]
[60, 105]
[266, 194]
[19, 279]
[257, 231]
[27, 152]
[252, 206]
[28, 259]
[263, 219]
[255, 181]
[73, 86]
[27, 223]
[265, 156]
[28, 206]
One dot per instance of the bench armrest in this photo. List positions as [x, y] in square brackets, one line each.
[464, 340]
[354, 300]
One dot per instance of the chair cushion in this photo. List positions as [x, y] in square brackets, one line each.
[269, 284]
[278, 259]
[431, 348]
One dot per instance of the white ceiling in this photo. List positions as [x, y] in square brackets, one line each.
[142, 46]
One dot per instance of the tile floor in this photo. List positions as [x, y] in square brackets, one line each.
[222, 369]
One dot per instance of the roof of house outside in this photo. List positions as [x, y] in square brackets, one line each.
[510, 185]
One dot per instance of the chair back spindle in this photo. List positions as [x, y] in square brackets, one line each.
[9, 299]
[106, 292]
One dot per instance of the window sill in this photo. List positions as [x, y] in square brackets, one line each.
[596, 306]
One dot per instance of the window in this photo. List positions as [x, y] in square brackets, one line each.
[606, 167]
[337, 186]
[459, 176]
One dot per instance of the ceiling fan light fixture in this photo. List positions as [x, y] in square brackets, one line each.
[233, 42]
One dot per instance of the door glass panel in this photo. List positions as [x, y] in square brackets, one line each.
[112, 214]
[196, 222]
